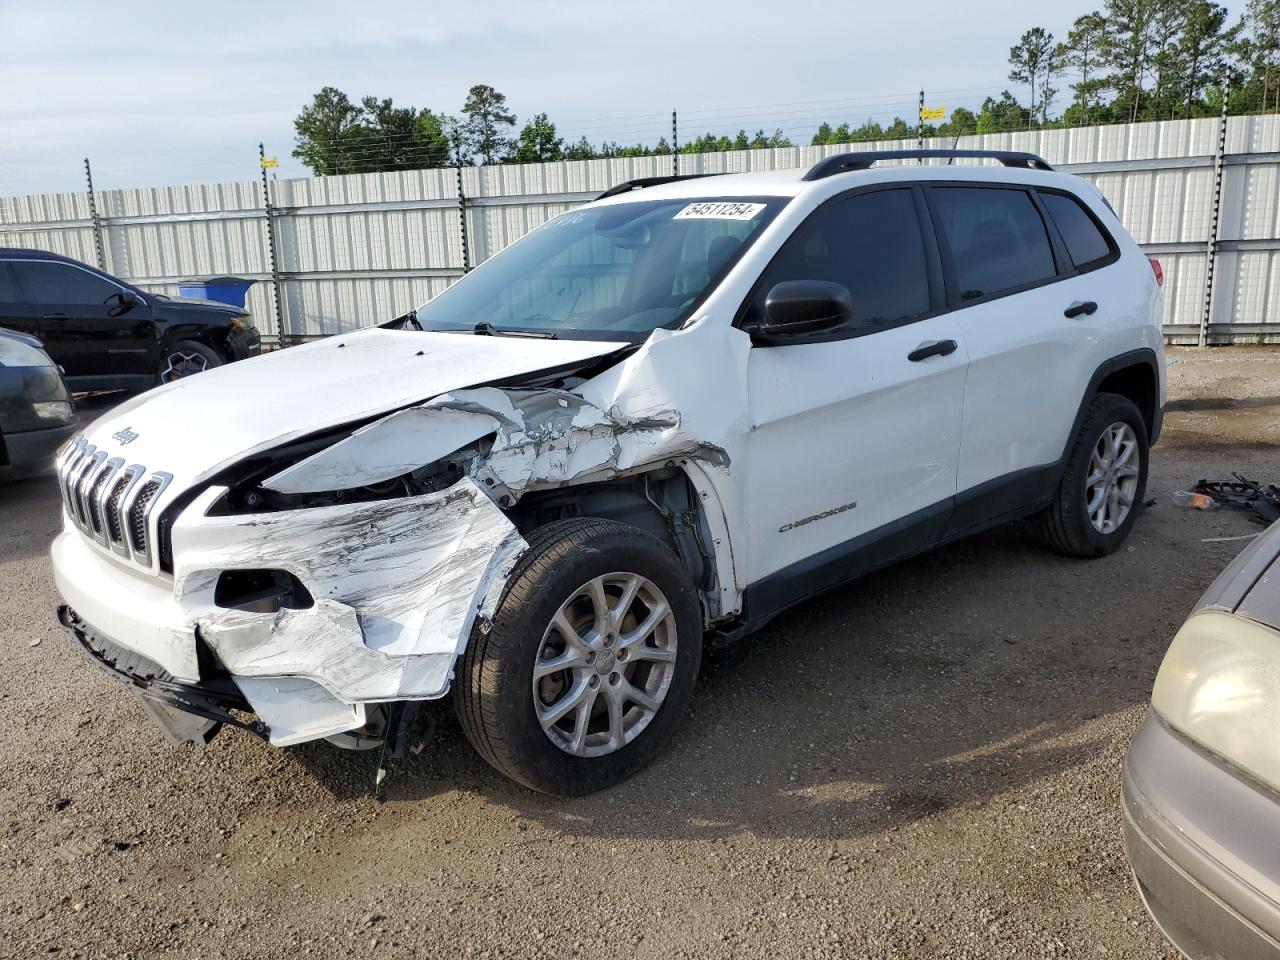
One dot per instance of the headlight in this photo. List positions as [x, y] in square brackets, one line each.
[54, 410]
[17, 353]
[1219, 684]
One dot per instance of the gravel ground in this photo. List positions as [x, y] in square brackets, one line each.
[923, 764]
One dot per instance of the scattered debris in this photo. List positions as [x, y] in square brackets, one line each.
[1247, 536]
[61, 803]
[1241, 493]
[1195, 500]
[34, 643]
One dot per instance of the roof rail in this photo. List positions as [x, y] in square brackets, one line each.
[861, 160]
[641, 182]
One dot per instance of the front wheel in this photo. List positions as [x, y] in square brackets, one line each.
[1103, 483]
[588, 665]
[186, 358]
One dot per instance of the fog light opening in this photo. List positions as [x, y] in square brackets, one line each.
[261, 591]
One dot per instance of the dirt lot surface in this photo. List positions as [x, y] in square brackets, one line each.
[923, 764]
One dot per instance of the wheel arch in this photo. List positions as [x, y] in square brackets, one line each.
[1134, 375]
[1138, 381]
[212, 337]
[673, 502]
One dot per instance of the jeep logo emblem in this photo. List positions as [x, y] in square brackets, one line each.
[124, 435]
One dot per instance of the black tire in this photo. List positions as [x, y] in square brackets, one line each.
[189, 356]
[1066, 525]
[493, 692]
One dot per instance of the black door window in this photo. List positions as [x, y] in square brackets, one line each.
[869, 242]
[996, 238]
[50, 283]
[1086, 243]
[9, 292]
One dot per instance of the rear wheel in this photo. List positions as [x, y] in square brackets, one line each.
[186, 358]
[1104, 481]
[589, 663]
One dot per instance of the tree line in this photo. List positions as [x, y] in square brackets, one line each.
[1133, 60]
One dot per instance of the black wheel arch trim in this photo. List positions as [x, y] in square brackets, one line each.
[1132, 358]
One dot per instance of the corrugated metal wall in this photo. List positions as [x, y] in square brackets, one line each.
[359, 249]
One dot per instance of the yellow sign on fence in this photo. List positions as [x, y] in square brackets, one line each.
[933, 113]
[270, 163]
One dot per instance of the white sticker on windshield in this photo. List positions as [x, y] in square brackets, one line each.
[719, 210]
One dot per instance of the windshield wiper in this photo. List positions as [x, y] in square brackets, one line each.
[486, 329]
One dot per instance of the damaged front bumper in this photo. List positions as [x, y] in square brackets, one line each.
[185, 711]
[396, 587]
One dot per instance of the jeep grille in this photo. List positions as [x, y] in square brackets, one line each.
[109, 501]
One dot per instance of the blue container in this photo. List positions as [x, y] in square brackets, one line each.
[230, 290]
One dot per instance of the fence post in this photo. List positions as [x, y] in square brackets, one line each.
[462, 222]
[93, 215]
[675, 147]
[920, 127]
[271, 247]
[1211, 250]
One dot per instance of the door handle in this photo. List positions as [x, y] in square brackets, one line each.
[56, 316]
[1080, 307]
[935, 348]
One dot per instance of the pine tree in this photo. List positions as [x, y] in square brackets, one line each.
[1081, 52]
[1126, 49]
[487, 123]
[1031, 61]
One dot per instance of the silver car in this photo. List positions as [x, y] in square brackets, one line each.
[1201, 793]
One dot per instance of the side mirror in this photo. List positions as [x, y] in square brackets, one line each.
[796, 308]
[123, 302]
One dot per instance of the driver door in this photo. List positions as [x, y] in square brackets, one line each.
[80, 320]
[855, 435]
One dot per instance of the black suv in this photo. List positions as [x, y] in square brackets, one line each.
[108, 335]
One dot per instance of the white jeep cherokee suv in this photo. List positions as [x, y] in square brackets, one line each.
[656, 421]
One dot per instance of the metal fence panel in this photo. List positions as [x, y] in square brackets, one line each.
[358, 249]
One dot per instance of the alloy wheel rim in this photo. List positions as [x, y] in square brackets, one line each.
[605, 664]
[1112, 483]
[181, 364]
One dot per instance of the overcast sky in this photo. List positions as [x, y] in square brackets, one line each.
[165, 93]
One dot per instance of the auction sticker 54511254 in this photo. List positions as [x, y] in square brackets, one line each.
[719, 210]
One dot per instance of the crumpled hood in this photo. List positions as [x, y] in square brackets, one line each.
[194, 427]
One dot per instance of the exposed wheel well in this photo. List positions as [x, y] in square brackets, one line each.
[661, 502]
[1137, 382]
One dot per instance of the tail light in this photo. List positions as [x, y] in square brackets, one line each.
[1157, 270]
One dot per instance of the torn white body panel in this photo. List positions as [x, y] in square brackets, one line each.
[396, 583]
[297, 710]
[545, 438]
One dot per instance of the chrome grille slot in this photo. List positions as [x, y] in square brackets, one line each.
[97, 485]
[109, 501]
[84, 476]
[113, 516]
[137, 516]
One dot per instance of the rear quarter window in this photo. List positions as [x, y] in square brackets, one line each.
[1086, 241]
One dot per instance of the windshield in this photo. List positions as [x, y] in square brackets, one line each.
[607, 273]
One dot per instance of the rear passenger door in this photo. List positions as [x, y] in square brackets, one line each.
[1032, 343]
